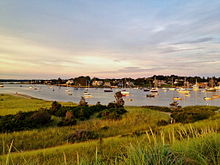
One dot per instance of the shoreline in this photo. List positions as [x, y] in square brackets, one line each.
[31, 97]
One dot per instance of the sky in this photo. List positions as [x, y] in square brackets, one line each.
[109, 39]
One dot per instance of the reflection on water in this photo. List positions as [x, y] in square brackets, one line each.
[137, 97]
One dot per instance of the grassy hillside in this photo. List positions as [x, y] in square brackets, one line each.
[137, 138]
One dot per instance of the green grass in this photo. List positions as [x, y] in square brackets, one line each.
[126, 151]
[11, 104]
[136, 119]
[195, 143]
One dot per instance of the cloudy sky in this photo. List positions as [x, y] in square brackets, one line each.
[109, 38]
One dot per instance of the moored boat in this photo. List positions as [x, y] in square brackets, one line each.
[108, 90]
[150, 95]
[87, 95]
[125, 93]
[183, 91]
[207, 98]
[177, 98]
[154, 90]
[146, 89]
[217, 87]
[210, 90]
[215, 96]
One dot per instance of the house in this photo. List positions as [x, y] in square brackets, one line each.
[97, 83]
[107, 84]
[70, 82]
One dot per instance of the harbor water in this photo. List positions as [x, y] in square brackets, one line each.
[137, 97]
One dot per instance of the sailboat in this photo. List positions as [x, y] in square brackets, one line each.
[172, 88]
[195, 87]
[124, 92]
[155, 89]
[86, 93]
[211, 89]
[184, 90]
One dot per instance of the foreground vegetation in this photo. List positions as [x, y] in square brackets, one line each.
[143, 135]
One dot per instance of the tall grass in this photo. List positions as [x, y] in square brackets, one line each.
[139, 119]
[151, 148]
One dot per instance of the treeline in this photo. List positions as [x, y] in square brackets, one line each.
[129, 82]
[125, 82]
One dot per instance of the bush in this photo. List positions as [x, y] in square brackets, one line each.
[81, 135]
[24, 121]
[190, 114]
[159, 108]
[162, 123]
[55, 107]
[40, 117]
[201, 108]
[112, 113]
[67, 122]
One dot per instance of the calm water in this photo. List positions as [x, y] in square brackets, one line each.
[138, 96]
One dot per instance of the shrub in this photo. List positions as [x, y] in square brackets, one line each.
[67, 122]
[159, 108]
[190, 114]
[201, 108]
[112, 113]
[81, 135]
[24, 121]
[40, 117]
[55, 107]
[162, 123]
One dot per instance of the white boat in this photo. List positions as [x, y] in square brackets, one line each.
[195, 87]
[207, 98]
[183, 91]
[125, 93]
[154, 90]
[217, 87]
[146, 89]
[86, 94]
[69, 93]
[1, 85]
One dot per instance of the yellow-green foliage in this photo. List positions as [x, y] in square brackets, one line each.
[11, 104]
[137, 118]
[118, 144]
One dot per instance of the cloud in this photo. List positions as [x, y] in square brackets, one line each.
[201, 40]
[110, 38]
